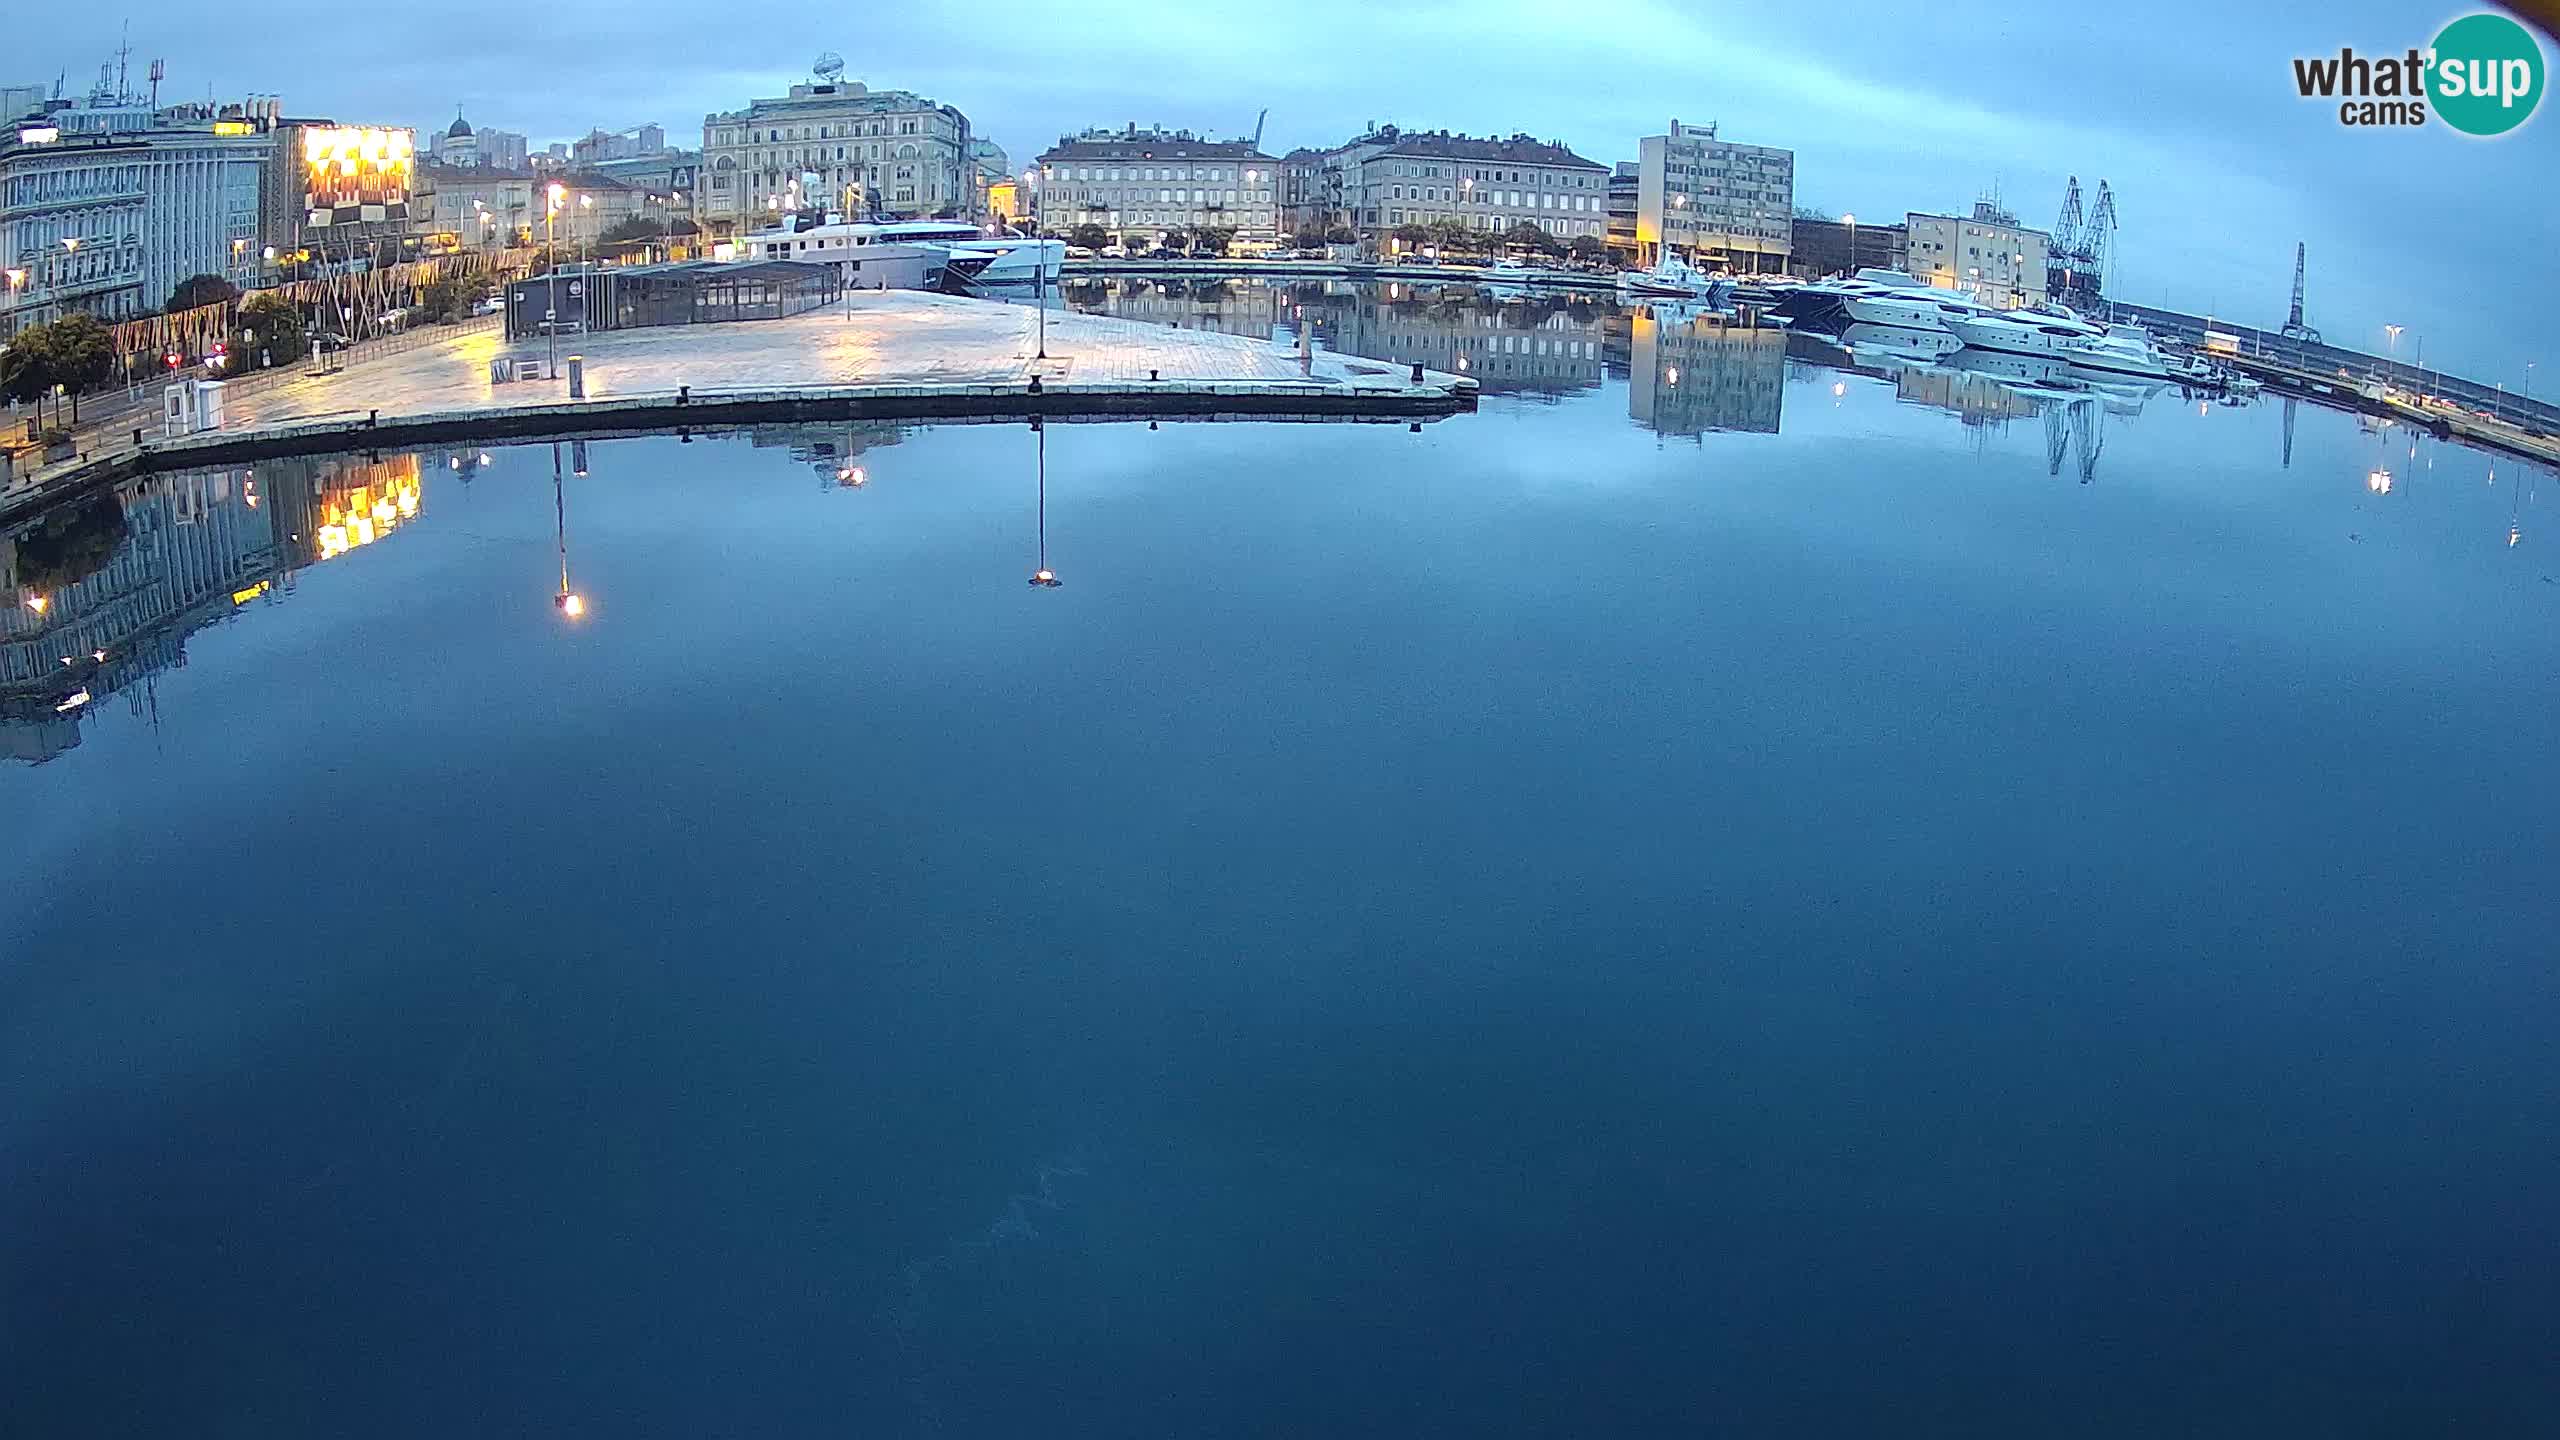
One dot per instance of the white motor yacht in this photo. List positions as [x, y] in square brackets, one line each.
[2125, 352]
[1672, 276]
[969, 250]
[2023, 332]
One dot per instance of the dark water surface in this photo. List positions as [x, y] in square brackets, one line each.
[1593, 918]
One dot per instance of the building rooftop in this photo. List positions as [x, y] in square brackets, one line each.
[1513, 150]
[1150, 144]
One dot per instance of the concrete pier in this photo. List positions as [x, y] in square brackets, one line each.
[881, 355]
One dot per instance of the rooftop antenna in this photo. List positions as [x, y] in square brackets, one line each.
[159, 68]
[124, 54]
[1257, 126]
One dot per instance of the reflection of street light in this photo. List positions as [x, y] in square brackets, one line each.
[1043, 577]
[39, 603]
[570, 602]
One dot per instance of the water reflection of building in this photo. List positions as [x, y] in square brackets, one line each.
[1540, 345]
[198, 546]
[1225, 307]
[1973, 397]
[1690, 375]
[828, 449]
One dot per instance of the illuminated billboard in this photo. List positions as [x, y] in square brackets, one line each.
[353, 174]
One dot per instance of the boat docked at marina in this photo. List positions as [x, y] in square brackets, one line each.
[1676, 278]
[900, 253]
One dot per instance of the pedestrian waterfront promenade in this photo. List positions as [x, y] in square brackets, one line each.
[879, 355]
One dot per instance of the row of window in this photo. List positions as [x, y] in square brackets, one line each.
[55, 184]
[1186, 196]
[846, 130]
[1513, 199]
[1121, 174]
[1542, 179]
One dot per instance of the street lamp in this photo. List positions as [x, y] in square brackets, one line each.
[1852, 222]
[2391, 347]
[551, 326]
[1039, 260]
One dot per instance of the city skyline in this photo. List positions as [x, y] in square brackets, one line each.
[2187, 110]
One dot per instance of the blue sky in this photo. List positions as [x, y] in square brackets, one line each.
[2186, 107]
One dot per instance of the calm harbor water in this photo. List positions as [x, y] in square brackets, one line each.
[1750, 888]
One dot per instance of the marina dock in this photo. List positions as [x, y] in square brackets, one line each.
[881, 355]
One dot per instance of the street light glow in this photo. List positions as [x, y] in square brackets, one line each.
[573, 605]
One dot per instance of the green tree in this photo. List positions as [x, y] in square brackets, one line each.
[1525, 236]
[450, 298]
[1089, 236]
[198, 290]
[271, 326]
[1212, 239]
[1589, 247]
[1310, 238]
[1341, 235]
[632, 230]
[1177, 238]
[81, 353]
[1410, 236]
[1457, 236]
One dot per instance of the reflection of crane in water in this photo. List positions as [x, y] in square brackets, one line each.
[2288, 432]
[2076, 427]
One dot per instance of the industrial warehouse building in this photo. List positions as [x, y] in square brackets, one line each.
[690, 292]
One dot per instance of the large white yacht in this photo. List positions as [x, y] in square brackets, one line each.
[2023, 332]
[968, 250]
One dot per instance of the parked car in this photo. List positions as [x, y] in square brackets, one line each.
[1115, 252]
[1078, 252]
[495, 304]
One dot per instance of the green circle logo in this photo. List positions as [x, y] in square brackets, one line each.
[2486, 74]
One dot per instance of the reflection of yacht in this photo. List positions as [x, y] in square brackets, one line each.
[1513, 272]
[1901, 342]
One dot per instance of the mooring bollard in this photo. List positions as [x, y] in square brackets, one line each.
[577, 377]
[684, 394]
[1417, 372]
[372, 418]
[1154, 375]
[1035, 384]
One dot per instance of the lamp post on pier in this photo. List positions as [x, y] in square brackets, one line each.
[1039, 260]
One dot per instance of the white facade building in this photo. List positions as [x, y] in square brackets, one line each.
[1144, 182]
[886, 152]
[1987, 254]
[1712, 201]
[105, 208]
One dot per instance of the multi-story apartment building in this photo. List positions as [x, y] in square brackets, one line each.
[482, 205]
[106, 206]
[1484, 184]
[1137, 183]
[1391, 177]
[1625, 183]
[1712, 201]
[892, 152]
[1987, 254]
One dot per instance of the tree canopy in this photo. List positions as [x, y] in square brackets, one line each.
[198, 290]
[1089, 236]
[1212, 239]
[271, 326]
[76, 352]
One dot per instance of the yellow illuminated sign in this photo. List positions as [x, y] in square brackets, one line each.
[352, 166]
[234, 127]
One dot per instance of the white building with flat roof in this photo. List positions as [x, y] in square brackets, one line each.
[1986, 254]
[1714, 202]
